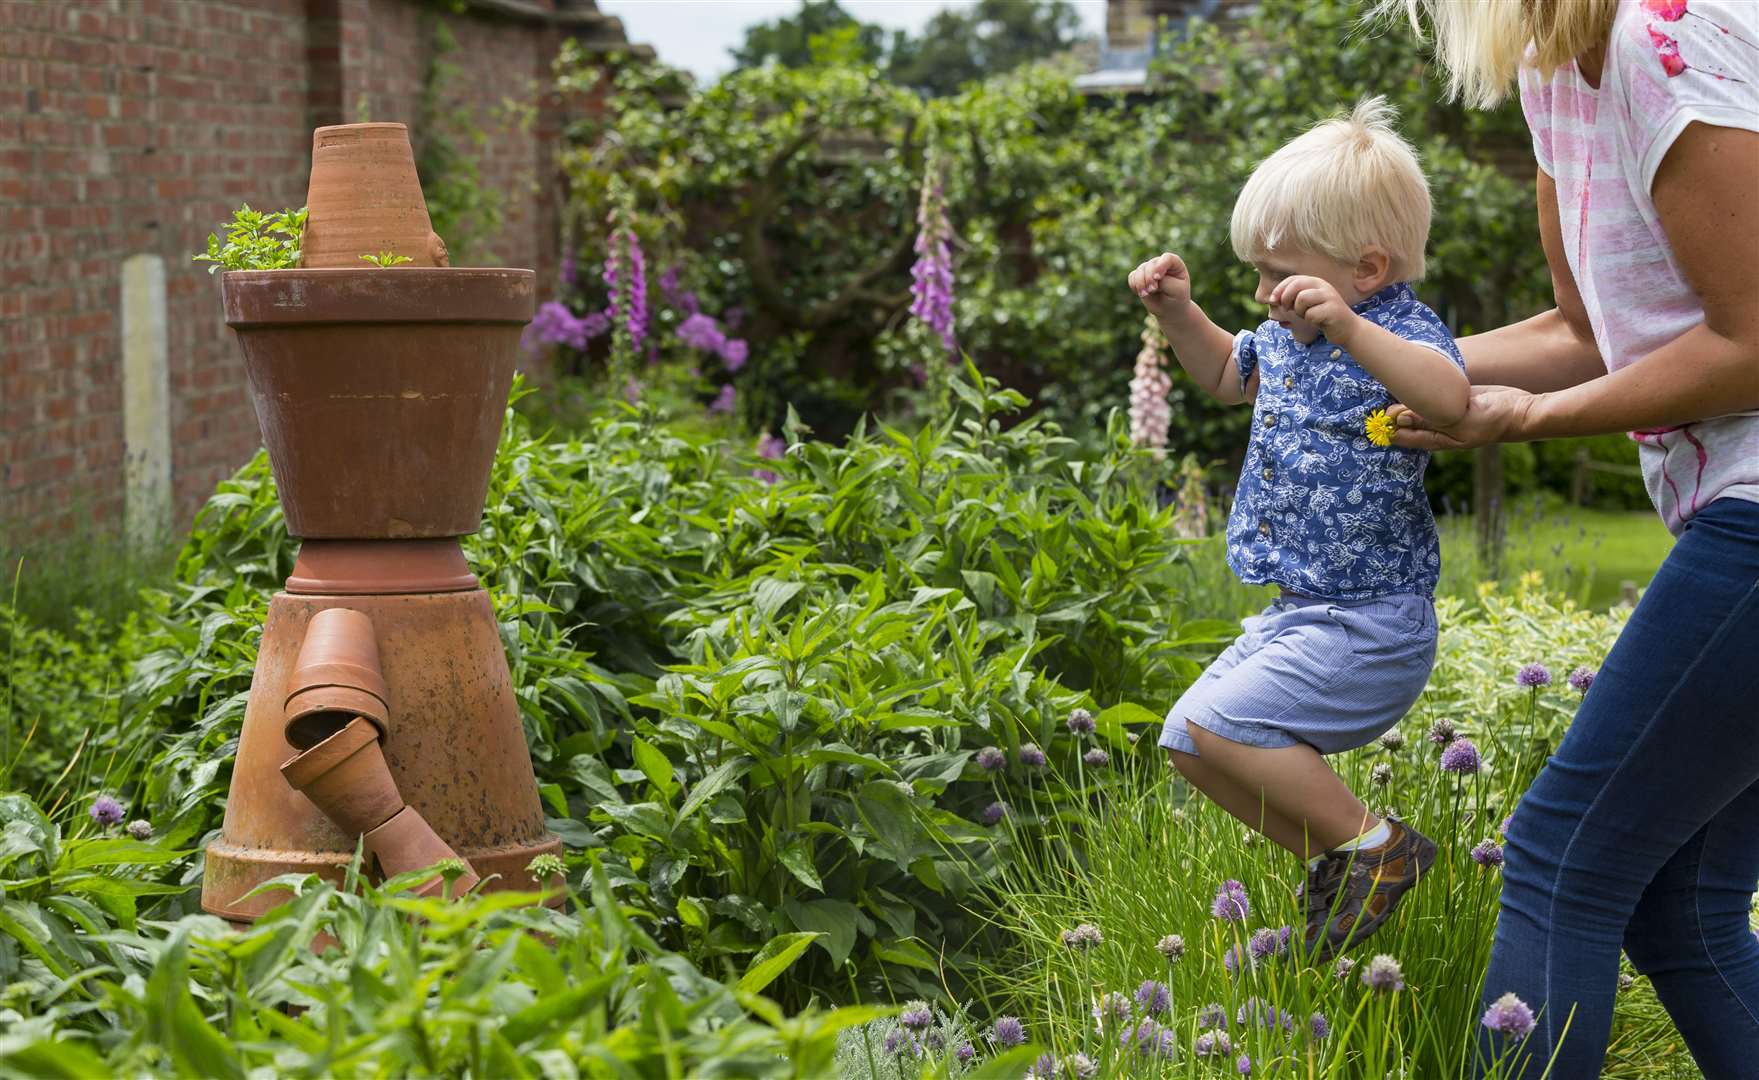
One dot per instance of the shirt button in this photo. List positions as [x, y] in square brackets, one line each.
[1335, 353]
[1264, 528]
[1270, 419]
[1267, 472]
[1288, 382]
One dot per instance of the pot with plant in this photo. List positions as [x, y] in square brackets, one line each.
[379, 374]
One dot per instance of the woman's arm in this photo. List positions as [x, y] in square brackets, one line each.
[1704, 196]
[1554, 349]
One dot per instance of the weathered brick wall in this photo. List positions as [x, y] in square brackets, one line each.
[137, 126]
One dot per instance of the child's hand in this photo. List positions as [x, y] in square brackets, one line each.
[1316, 302]
[1162, 283]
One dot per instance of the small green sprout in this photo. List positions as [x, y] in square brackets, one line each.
[386, 259]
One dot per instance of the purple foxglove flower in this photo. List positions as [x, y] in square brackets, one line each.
[1461, 757]
[1581, 679]
[701, 332]
[932, 275]
[1081, 722]
[1510, 1016]
[1153, 997]
[1230, 903]
[766, 475]
[733, 353]
[106, 811]
[1533, 676]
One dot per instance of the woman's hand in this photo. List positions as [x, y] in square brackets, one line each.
[1494, 414]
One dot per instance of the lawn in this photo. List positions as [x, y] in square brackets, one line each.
[1587, 555]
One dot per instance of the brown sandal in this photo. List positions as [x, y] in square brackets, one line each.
[1352, 893]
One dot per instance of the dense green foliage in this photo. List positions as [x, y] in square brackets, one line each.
[793, 192]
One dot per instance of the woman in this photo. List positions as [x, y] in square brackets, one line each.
[1642, 832]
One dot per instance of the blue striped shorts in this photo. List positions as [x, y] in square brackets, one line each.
[1329, 674]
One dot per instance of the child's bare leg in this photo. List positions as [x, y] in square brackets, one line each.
[1243, 804]
[1295, 782]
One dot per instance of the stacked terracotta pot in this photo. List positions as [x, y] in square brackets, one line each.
[381, 712]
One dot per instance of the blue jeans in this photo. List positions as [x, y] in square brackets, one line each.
[1642, 831]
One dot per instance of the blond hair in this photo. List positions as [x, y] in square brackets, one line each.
[1481, 44]
[1342, 186]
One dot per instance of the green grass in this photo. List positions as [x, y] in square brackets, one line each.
[1587, 555]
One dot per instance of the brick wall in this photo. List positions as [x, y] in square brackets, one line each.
[137, 126]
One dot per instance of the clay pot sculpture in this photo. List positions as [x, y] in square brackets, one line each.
[365, 198]
[380, 394]
[346, 777]
[335, 680]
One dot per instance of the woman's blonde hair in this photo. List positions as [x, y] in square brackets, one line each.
[1342, 186]
[1481, 44]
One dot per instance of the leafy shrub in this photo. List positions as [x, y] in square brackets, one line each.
[257, 241]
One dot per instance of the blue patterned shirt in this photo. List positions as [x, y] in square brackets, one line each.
[1320, 510]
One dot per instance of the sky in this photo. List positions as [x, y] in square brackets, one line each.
[697, 34]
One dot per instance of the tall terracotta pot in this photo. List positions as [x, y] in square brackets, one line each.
[380, 395]
[364, 198]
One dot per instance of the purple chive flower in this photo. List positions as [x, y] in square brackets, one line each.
[1488, 853]
[724, 401]
[1344, 966]
[916, 1015]
[1153, 997]
[1506, 822]
[1244, 1065]
[1084, 936]
[1442, 732]
[932, 275]
[1581, 679]
[1149, 1037]
[733, 353]
[1081, 722]
[1213, 1044]
[994, 813]
[1097, 758]
[140, 829]
[897, 1040]
[1172, 947]
[1461, 757]
[106, 811]
[1319, 1026]
[1081, 1067]
[1212, 1016]
[1009, 1031]
[991, 759]
[1381, 775]
[1393, 739]
[1230, 903]
[1533, 676]
[1509, 1016]
[1032, 756]
[1266, 942]
[1256, 1012]
[1234, 959]
[1045, 1068]
[1383, 974]
[965, 1053]
[1111, 1008]
[1626, 981]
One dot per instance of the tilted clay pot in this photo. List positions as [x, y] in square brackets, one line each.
[380, 394]
[365, 199]
[336, 679]
[407, 843]
[346, 777]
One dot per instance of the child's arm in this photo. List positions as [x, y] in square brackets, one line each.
[1412, 373]
[1204, 350]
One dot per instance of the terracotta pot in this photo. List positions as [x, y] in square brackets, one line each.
[380, 395]
[365, 198]
[407, 843]
[377, 567]
[346, 777]
[335, 679]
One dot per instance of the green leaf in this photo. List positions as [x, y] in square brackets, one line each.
[833, 919]
[654, 765]
[51, 1058]
[712, 784]
[1112, 723]
[177, 1024]
[114, 851]
[799, 863]
[777, 955]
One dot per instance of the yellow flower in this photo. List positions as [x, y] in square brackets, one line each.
[1532, 579]
[1379, 428]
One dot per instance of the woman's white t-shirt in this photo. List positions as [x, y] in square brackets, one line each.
[1669, 63]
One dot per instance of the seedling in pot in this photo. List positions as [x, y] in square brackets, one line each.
[386, 259]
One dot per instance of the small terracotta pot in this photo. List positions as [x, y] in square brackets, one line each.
[407, 843]
[336, 678]
[346, 777]
[365, 198]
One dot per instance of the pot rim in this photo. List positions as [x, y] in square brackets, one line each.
[370, 294]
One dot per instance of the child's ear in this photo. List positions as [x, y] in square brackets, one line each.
[1374, 271]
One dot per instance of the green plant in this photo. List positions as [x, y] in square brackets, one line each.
[257, 241]
[385, 259]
